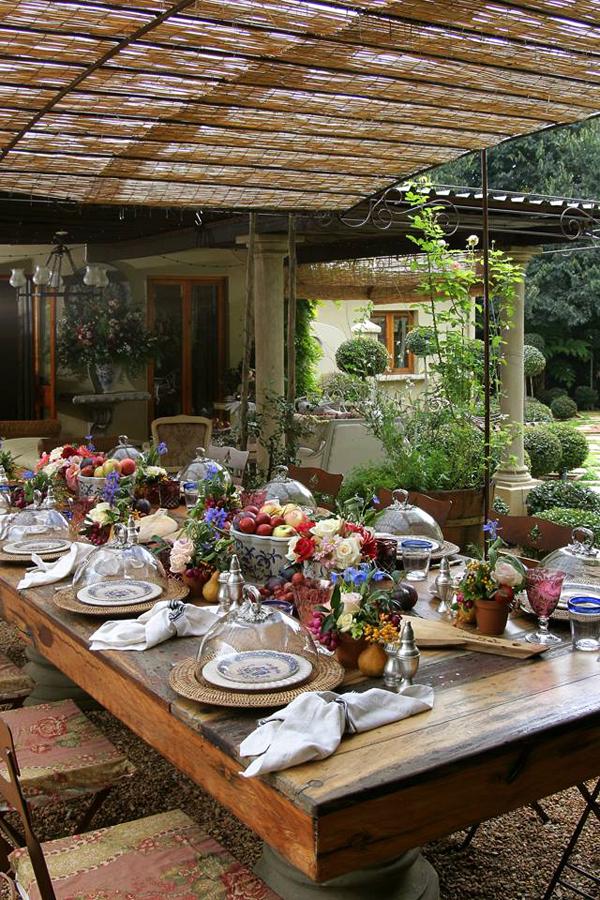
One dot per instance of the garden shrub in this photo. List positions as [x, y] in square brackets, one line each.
[563, 494]
[550, 394]
[543, 447]
[500, 507]
[365, 481]
[537, 412]
[573, 518]
[362, 356]
[421, 340]
[563, 408]
[533, 339]
[586, 397]
[574, 447]
[534, 361]
[349, 388]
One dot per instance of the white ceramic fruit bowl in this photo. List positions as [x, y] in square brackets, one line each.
[260, 557]
[89, 486]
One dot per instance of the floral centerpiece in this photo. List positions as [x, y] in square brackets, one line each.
[357, 614]
[332, 545]
[201, 552]
[114, 507]
[152, 481]
[216, 491]
[487, 591]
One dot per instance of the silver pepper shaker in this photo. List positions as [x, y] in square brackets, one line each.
[408, 655]
[223, 595]
[443, 586]
[235, 583]
[132, 535]
[392, 673]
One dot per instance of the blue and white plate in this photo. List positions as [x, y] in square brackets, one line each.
[26, 548]
[119, 592]
[257, 670]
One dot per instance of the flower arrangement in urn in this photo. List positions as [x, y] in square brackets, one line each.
[332, 545]
[152, 481]
[487, 590]
[357, 615]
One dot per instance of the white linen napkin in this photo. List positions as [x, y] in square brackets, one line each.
[312, 725]
[159, 524]
[50, 572]
[153, 627]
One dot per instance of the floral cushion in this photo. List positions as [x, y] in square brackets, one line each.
[61, 753]
[14, 683]
[150, 859]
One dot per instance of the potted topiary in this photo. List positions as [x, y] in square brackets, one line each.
[363, 357]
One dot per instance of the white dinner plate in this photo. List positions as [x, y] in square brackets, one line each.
[119, 592]
[257, 670]
[26, 548]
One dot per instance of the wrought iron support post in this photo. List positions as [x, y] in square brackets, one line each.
[486, 339]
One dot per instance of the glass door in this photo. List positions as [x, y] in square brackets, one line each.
[191, 316]
[44, 354]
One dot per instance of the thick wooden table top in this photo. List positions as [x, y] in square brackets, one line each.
[502, 732]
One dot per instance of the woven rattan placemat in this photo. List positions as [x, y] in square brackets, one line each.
[67, 599]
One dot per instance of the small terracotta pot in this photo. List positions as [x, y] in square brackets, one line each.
[348, 650]
[492, 616]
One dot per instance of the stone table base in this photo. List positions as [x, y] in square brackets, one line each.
[51, 684]
[410, 877]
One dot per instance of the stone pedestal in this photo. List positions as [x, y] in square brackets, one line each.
[51, 684]
[410, 877]
[512, 480]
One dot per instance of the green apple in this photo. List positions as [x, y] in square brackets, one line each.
[284, 531]
[111, 465]
[99, 472]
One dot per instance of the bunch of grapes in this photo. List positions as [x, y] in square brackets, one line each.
[202, 572]
[98, 534]
[327, 639]
[18, 498]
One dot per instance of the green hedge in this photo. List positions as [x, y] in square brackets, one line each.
[573, 518]
[563, 494]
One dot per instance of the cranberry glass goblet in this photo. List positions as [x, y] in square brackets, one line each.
[543, 592]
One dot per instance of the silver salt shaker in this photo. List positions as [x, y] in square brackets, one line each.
[408, 655]
[235, 583]
[444, 586]
[392, 673]
[223, 594]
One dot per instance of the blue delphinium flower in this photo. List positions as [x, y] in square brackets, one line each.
[162, 449]
[90, 442]
[375, 500]
[378, 575]
[334, 577]
[492, 528]
[111, 487]
[215, 516]
[211, 470]
[28, 475]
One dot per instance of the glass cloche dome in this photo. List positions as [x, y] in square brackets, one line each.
[202, 467]
[124, 450]
[579, 559]
[288, 490]
[122, 560]
[402, 518]
[41, 519]
[256, 648]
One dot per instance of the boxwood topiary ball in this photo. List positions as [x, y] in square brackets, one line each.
[563, 408]
[362, 356]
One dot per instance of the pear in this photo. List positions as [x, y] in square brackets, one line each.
[211, 588]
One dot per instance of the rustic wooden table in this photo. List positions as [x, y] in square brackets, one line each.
[503, 732]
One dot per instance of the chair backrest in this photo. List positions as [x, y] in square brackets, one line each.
[529, 531]
[325, 485]
[10, 789]
[234, 460]
[437, 509]
[182, 435]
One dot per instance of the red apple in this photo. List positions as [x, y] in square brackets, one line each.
[294, 517]
[247, 525]
[262, 519]
[98, 461]
[127, 466]
[277, 520]
[252, 509]
[264, 530]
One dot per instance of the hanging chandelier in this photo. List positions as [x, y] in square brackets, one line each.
[49, 277]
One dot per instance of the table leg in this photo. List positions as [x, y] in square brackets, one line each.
[410, 877]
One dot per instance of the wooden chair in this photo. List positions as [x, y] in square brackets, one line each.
[182, 435]
[63, 757]
[165, 855]
[234, 460]
[529, 531]
[15, 684]
[324, 485]
[437, 509]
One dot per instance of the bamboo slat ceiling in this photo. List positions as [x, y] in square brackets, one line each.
[277, 104]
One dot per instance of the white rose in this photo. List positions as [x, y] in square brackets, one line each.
[506, 573]
[99, 513]
[181, 555]
[345, 621]
[291, 547]
[155, 471]
[347, 552]
[351, 602]
[327, 528]
[56, 454]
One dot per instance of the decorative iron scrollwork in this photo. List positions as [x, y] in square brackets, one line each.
[390, 208]
[577, 223]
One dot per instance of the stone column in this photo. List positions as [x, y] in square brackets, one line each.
[269, 285]
[513, 480]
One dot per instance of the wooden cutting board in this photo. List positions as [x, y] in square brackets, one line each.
[432, 633]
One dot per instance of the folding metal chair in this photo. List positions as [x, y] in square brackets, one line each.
[591, 806]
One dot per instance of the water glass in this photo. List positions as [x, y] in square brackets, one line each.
[190, 493]
[543, 592]
[416, 557]
[584, 616]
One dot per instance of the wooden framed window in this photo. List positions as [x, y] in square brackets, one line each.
[394, 328]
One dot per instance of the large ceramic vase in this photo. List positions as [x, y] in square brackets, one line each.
[348, 650]
[104, 377]
[491, 616]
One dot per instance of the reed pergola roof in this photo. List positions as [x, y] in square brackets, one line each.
[277, 104]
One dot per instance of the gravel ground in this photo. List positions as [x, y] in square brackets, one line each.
[511, 857]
